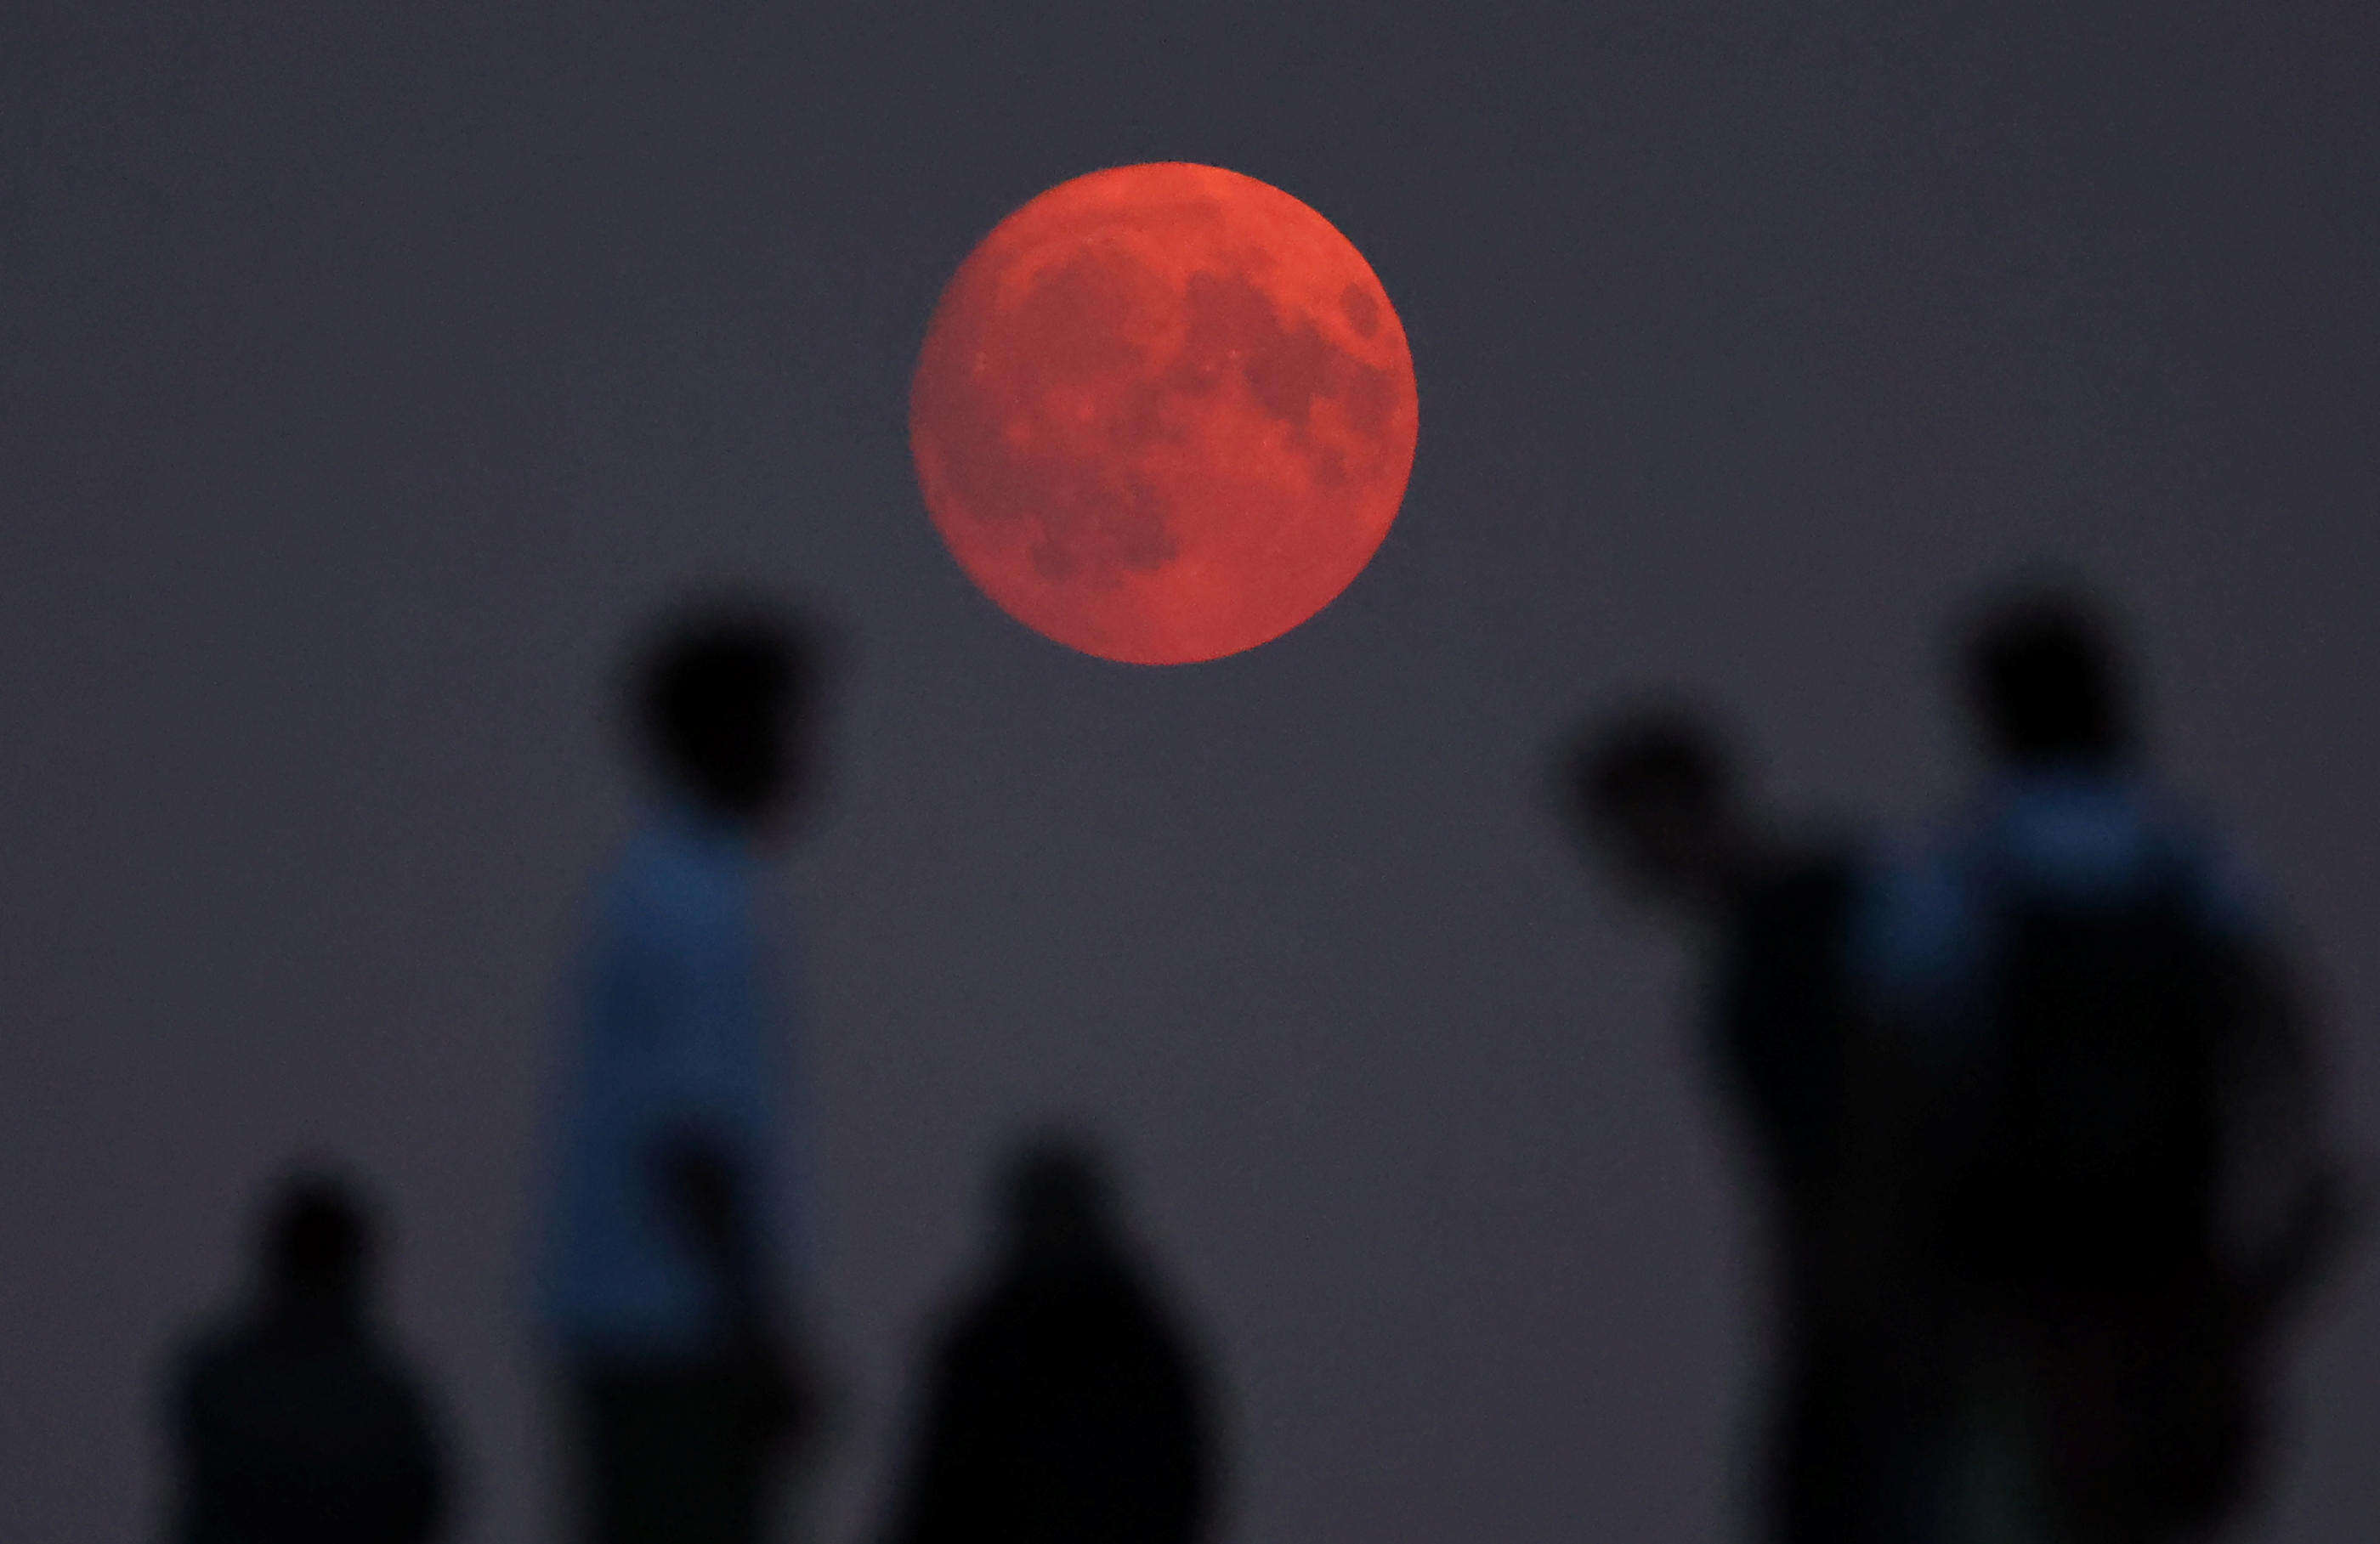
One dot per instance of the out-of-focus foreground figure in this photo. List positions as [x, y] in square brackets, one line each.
[675, 1249]
[1654, 792]
[292, 1421]
[2110, 1156]
[1061, 1406]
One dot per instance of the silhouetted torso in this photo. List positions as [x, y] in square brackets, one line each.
[1063, 1411]
[2124, 1167]
[1843, 1452]
[295, 1427]
[1779, 1015]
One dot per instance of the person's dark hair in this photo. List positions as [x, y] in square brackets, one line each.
[2045, 680]
[1665, 751]
[715, 692]
[318, 1235]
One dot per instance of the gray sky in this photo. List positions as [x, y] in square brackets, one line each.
[364, 383]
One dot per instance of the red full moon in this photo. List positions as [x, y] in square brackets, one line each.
[1164, 413]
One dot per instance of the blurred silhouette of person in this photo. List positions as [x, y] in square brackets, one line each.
[1063, 1405]
[2115, 1166]
[292, 1421]
[677, 1242]
[1654, 792]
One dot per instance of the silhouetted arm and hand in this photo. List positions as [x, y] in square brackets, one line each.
[2303, 1207]
[700, 1182]
[1877, 1280]
[422, 1501]
[956, 1453]
[707, 1200]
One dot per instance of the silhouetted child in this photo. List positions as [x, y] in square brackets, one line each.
[1063, 1405]
[675, 1252]
[1654, 792]
[2120, 1160]
[292, 1421]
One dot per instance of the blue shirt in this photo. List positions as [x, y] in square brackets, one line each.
[1922, 935]
[681, 1023]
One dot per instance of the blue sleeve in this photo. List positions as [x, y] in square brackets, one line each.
[1909, 931]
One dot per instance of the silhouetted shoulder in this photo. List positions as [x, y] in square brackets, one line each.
[1064, 1407]
[317, 1434]
[1062, 1404]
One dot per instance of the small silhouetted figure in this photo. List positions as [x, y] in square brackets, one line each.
[1655, 792]
[676, 1249]
[2115, 1162]
[1064, 1406]
[294, 1423]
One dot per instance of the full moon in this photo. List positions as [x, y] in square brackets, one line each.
[1163, 413]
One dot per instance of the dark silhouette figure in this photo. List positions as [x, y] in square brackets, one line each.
[1064, 1407]
[678, 1240]
[2114, 1165]
[293, 1423]
[1654, 791]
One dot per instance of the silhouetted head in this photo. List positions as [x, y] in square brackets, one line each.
[2044, 682]
[726, 700]
[1058, 1203]
[317, 1244]
[1654, 791]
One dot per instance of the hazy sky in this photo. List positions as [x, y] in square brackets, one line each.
[364, 383]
